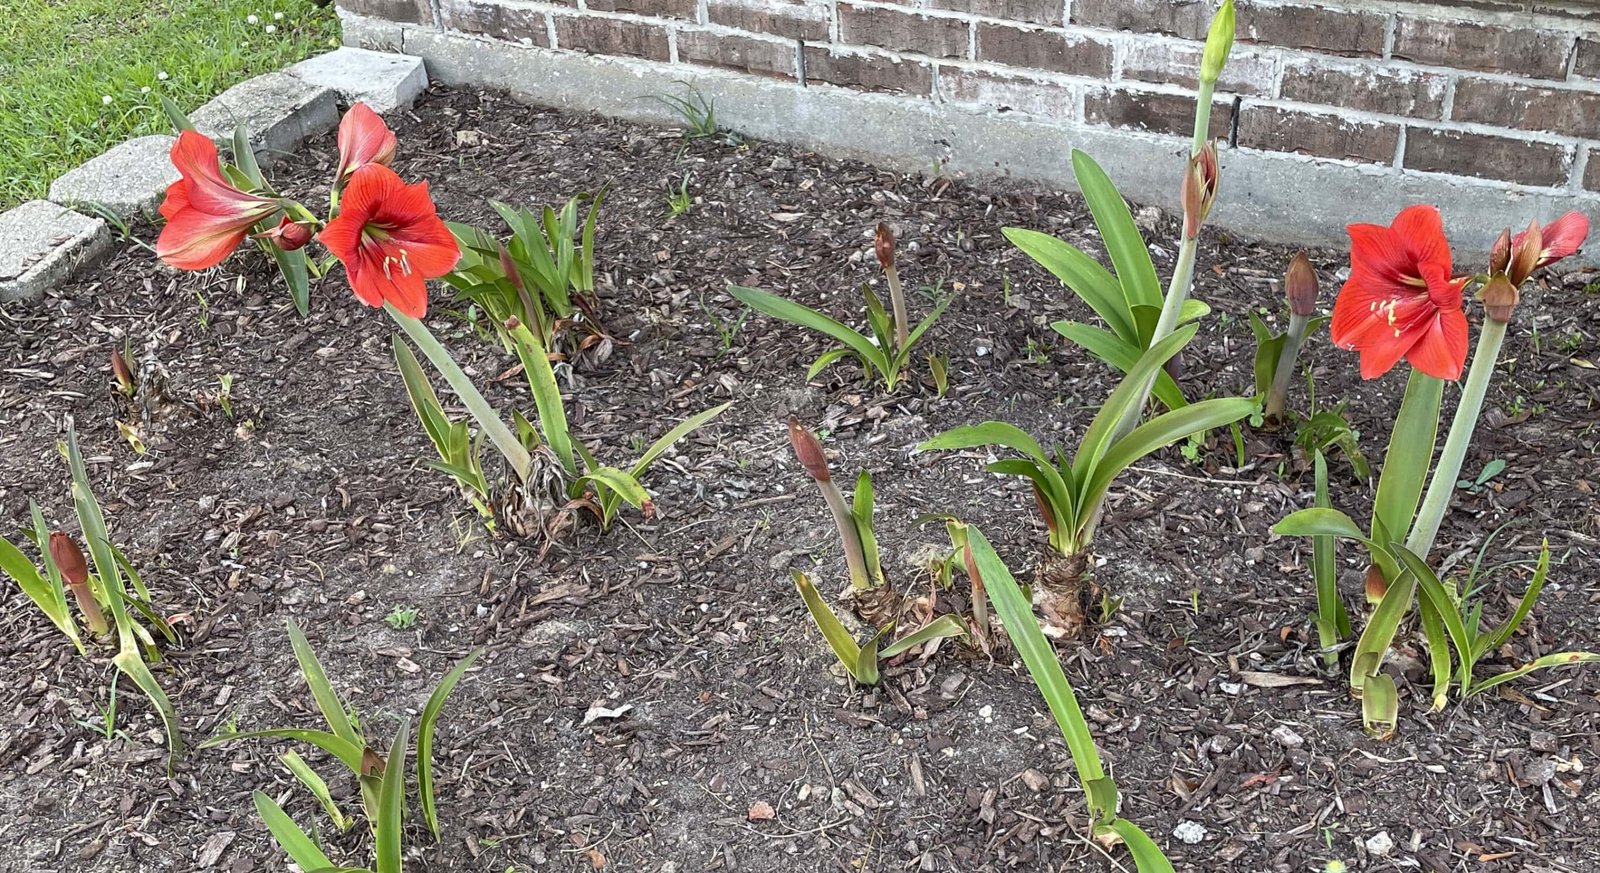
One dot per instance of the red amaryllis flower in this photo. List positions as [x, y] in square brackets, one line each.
[1401, 300]
[390, 240]
[1559, 239]
[207, 217]
[363, 139]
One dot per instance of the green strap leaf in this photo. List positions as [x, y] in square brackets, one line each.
[1017, 616]
[389, 827]
[1121, 354]
[51, 599]
[1128, 393]
[425, 726]
[129, 662]
[1324, 567]
[294, 842]
[619, 481]
[1560, 659]
[424, 401]
[989, 433]
[1147, 856]
[939, 628]
[1410, 455]
[333, 709]
[1135, 271]
[684, 428]
[546, 396]
[318, 788]
[805, 316]
[348, 753]
[1093, 283]
[1161, 431]
[1502, 633]
[1367, 662]
[1320, 521]
[833, 631]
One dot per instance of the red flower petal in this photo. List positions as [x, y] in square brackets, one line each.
[1563, 237]
[390, 239]
[195, 240]
[363, 139]
[1441, 351]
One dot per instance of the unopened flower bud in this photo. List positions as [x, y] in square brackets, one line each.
[68, 559]
[1500, 254]
[123, 375]
[288, 235]
[1376, 584]
[1499, 298]
[1199, 188]
[1219, 41]
[808, 451]
[1300, 285]
[883, 244]
[1525, 251]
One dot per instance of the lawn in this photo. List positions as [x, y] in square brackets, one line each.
[83, 75]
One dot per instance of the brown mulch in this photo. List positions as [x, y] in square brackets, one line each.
[314, 502]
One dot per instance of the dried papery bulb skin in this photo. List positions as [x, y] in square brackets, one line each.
[1300, 286]
[883, 244]
[1199, 188]
[808, 451]
[1500, 299]
[68, 559]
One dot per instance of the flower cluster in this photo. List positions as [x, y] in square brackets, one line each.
[387, 233]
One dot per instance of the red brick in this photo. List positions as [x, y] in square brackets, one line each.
[1317, 134]
[1486, 157]
[1027, 11]
[1588, 60]
[1366, 86]
[1472, 46]
[1152, 111]
[807, 21]
[1188, 20]
[1179, 64]
[903, 31]
[403, 11]
[684, 9]
[1043, 50]
[1527, 107]
[1591, 172]
[866, 72]
[744, 53]
[1330, 31]
[612, 36]
[497, 18]
[1007, 93]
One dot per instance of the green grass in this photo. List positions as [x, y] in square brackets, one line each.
[60, 59]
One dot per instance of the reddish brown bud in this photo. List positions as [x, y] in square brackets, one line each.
[883, 244]
[1199, 188]
[1525, 252]
[1499, 298]
[1300, 285]
[288, 235]
[1376, 584]
[1044, 509]
[119, 369]
[1500, 254]
[808, 451]
[64, 553]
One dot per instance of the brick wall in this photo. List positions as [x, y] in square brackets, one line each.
[1499, 93]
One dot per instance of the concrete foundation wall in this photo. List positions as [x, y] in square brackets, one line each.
[1329, 113]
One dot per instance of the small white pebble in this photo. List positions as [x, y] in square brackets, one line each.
[1380, 844]
[161, 76]
[106, 99]
[251, 19]
[1189, 832]
[986, 713]
[145, 90]
[277, 16]
[272, 28]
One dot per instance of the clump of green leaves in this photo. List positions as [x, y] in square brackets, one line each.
[381, 778]
[883, 356]
[541, 276]
[1070, 493]
[105, 585]
[875, 599]
[549, 463]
